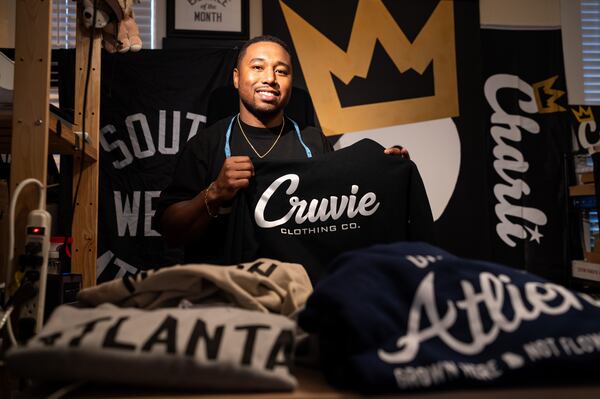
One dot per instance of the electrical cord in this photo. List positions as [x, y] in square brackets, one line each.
[67, 390]
[25, 292]
[5, 320]
[83, 120]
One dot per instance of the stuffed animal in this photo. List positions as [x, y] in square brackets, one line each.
[103, 14]
[123, 35]
[119, 29]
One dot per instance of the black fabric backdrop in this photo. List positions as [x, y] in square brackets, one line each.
[152, 102]
[154, 91]
[468, 226]
[528, 141]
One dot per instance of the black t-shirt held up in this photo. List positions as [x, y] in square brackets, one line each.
[309, 211]
[201, 160]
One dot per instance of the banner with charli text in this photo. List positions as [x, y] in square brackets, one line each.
[585, 127]
[400, 72]
[153, 102]
[528, 135]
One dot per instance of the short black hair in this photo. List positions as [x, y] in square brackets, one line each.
[258, 39]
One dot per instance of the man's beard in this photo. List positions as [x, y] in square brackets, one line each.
[261, 113]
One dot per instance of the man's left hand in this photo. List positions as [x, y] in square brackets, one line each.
[398, 150]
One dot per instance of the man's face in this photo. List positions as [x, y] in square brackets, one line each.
[264, 80]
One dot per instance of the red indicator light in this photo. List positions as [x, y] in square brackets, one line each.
[35, 230]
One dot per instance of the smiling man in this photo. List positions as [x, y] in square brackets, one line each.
[216, 163]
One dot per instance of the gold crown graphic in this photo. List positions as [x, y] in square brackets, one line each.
[319, 58]
[584, 114]
[551, 104]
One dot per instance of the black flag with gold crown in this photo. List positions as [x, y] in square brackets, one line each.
[400, 72]
[528, 136]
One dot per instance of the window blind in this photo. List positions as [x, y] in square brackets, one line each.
[580, 26]
[589, 18]
[64, 19]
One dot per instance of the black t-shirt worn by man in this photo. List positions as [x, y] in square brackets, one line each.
[201, 160]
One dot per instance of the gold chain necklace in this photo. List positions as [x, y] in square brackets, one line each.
[250, 144]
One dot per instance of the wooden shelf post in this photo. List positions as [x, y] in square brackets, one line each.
[29, 147]
[85, 222]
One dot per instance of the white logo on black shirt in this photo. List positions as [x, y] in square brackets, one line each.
[314, 210]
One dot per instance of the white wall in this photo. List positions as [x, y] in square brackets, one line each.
[527, 13]
[523, 13]
[7, 23]
[255, 18]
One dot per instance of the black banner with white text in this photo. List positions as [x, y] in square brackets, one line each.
[153, 102]
[528, 136]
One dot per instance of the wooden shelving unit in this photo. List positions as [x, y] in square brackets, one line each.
[31, 133]
[61, 139]
[589, 267]
[582, 189]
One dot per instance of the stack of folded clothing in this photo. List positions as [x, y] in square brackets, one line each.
[219, 328]
[409, 316]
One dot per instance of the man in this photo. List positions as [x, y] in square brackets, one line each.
[217, 163]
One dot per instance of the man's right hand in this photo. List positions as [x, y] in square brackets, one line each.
[235, 174]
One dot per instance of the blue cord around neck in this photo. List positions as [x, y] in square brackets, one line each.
[296, 129]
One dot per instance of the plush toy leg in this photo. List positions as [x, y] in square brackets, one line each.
[109, 38]
[123, 38]
[133, 33]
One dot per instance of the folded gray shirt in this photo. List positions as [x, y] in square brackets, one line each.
[210, 348]
[266, 285]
